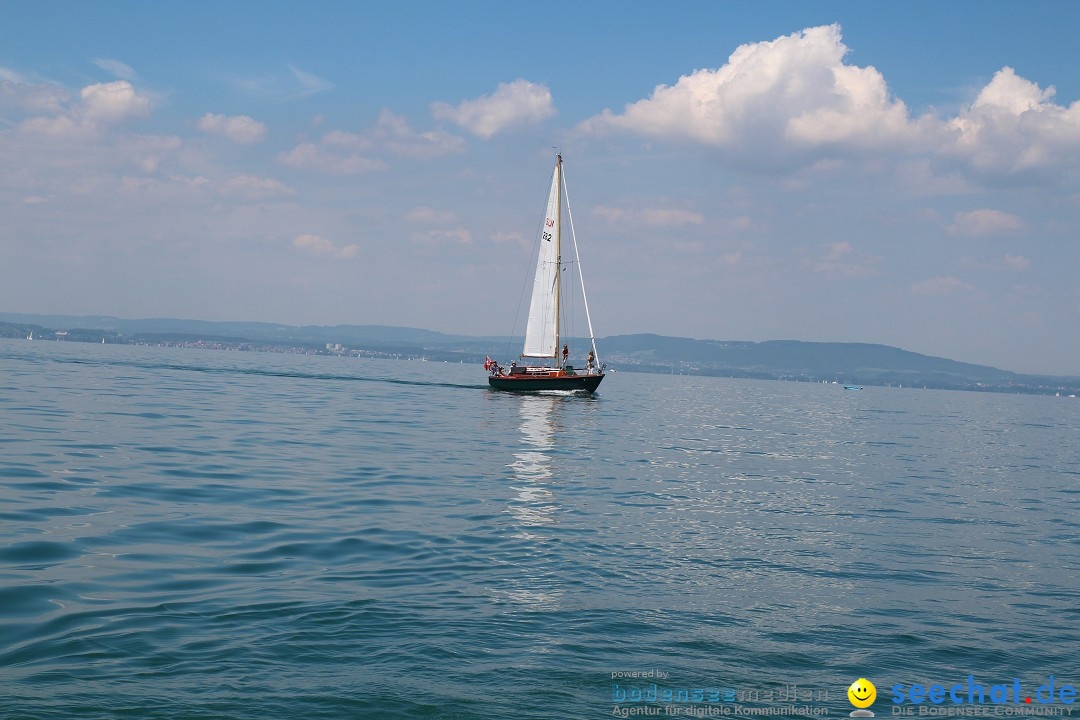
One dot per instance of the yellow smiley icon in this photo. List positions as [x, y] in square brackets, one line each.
[862, 693]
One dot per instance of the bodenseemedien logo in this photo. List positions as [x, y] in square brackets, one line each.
[862, 694]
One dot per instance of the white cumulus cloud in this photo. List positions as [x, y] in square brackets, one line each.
[794, 101]
[512, 104]
[791, 93]
[113, 102]
[1015, 128]
[238, 128]
[57, 114]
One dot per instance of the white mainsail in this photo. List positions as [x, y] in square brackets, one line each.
[542, 332]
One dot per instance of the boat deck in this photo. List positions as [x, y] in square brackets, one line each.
[532, 379]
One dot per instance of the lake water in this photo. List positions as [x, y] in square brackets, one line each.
[197, 534]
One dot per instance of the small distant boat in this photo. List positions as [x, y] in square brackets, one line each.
[30, 336]
[542, 331]
[853, 387]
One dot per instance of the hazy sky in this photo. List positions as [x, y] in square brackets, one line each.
[901, 173]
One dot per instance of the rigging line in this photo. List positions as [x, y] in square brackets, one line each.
[577, 254]
[573, 308]
[569, 298]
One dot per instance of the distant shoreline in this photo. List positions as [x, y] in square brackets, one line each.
[840, 363]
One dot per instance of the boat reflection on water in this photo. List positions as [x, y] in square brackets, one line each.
[534, 505]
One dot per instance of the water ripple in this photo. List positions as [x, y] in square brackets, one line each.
[231, 535]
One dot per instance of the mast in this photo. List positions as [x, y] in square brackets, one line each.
[558, 249]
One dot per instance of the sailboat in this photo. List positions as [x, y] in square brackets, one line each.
[542, 331]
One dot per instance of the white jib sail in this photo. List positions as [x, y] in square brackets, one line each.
[542, 333]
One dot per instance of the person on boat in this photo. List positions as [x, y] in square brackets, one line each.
[590, 361]
[565, 354]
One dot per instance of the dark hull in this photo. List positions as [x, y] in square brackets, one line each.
[585, 383]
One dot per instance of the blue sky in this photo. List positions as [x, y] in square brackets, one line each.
[894, 173]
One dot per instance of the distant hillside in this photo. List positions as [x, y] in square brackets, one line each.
[858, 363]
[249, 331]
[850, 362]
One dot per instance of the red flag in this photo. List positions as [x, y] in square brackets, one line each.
[488, 362]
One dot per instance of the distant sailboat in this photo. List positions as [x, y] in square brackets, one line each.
[30, 336]
[542, 331]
